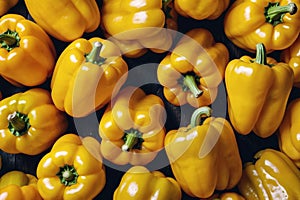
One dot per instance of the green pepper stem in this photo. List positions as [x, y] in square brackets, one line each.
[166, 3]
[199, 114]
[9, 40]
[274, 12]
[132, 140]
[18, 123]
[67, 175]
[261, 56]
[94, 56]
[190, 82]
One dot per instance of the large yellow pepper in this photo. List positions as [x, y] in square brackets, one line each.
[66, 20]
[86, 75]
[138, 25]
[291, 56]
[5, 5]
[272, 176]
[193, 71]
[139, 183]
[258, 91]
[274, 23]
[30, 123]
[18, 185]
[27, 55]
[199, 10]
[204, 156]
[132, 127]
[72, 170]
[289, 132]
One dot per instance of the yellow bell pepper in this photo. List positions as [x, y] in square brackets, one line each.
[132, 127]
[291, 56]
[200, 10]
[204, 156]
[65, 20]
[5, 5]
[274, 23]
[225, 196]
[139, 183]
[258, 91]
[86, 75]
[71, 171]
[27, 55]
[30, 123]
[193, 71]
[272, 176]
[289, 132]
[18, 185]
[136, 26]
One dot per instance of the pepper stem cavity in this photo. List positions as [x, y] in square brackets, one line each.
[274, 13]
[199, 115]
[94, 56]
[132, 140]
[18, 123]
[9, 40]
[261, 55]
[67, 175]
[190, 82]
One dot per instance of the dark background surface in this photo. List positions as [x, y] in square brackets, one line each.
[248, 145]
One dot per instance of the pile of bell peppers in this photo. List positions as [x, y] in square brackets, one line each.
[149, 99]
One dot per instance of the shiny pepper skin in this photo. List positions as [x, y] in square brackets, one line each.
[204, 156]
[201, 9]
[86, 75]
[27, 55]
[139, 183]
[289, 132]
[257, 92]
[72, 170]
[273, 23]
[272, 176]
[132, 127]
[193, 71]
[225, 196]
[5, 5]
[66, 20]
[30, 123]
[16, 185]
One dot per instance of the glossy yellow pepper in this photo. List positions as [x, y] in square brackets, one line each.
[66, 20]
[291, 56]
[18, 185]
[136, 26]
[204, 156]
[274, 23]
[272, 176]
[193, 71]
[5, 5]
[258, 91]
[30, 123]
[71, 170]
[225, 196]
[139, 183]
[132, 127]
[27, 55]
[289, 132]
[200, 10]
[86, 75]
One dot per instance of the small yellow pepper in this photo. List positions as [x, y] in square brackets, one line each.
[289, 132]
[72, 170]
[225, 196]
[18, 185]
[27, 55]
[86, 75]
[30, 123]
[5, 5]
[204, 156]
[274, 23]
[258, 91]
[66, 20]
[139, 183]
[272, 176]
[200, 10]
[193, 71]
[132, 127]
